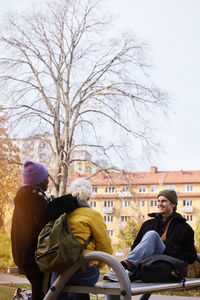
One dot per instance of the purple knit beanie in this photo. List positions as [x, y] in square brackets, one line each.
[33, 173]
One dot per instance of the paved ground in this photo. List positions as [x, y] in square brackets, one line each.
[160, 297]
[8, 278]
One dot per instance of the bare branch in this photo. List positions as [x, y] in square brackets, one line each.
[60, 72]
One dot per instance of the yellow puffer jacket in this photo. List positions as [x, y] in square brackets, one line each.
[85, 221]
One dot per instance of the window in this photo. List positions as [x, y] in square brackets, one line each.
[188, 217]
[109, 189]
[108, 218]
[110, 233]
[125, 218]
[93, 203]
[188, 187]
[142, 188]
[79, 166]
[187, 202]
[94, 189]
[153, 203]
[154, 188]
[108, 203]
[141, 203]
[170, 186]
[87, 169]
[125, 188]
[125, 203]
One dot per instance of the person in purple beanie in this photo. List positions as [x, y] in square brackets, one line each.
[32, 210]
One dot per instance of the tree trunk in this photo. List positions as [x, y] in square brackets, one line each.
[63, 182]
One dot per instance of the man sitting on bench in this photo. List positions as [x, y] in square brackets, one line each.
[166, 233]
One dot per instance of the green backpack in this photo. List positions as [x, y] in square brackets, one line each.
[58, 248]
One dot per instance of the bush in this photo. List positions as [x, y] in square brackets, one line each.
[6, 259]
[194, 270]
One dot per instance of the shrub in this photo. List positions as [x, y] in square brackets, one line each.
[194, 270]
[5, 251]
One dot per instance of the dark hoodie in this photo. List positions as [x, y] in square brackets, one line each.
[180, 236]
[33, 209]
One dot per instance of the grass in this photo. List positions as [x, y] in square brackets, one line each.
[5, 252]
[195, 292]
[7, 291]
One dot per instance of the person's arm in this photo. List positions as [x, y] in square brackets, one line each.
[181, 244]
[100, 234]
[59, 205]
[188, 251]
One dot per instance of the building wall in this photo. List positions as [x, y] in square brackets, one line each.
[122, 196]
[119, 202]
[37, 148]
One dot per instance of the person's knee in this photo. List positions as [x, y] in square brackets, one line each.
[151, 234]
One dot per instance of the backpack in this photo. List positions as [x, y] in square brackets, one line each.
[58, 248]
[160, 268]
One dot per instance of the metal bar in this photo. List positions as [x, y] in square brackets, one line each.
[125, 285]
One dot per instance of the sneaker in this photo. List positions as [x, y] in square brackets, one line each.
[111, 276]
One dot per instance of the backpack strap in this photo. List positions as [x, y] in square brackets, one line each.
[163, 236]
[81, 257]
[46, 282]
[86, 243]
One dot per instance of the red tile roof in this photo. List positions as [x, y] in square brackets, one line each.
[142, 178]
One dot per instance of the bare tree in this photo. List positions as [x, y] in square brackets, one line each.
[59, 72]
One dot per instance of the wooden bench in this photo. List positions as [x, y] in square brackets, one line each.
[124, 287]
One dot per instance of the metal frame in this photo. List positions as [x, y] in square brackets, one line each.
[124, 287]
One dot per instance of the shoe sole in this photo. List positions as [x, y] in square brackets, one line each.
[106, 278]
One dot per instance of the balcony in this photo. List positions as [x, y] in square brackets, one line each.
[125, 194]
[107, 210]
[187, 209]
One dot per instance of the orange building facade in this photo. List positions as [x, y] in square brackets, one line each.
[120, 196]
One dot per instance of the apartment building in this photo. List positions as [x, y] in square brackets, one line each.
[38, 148]
[122, 196]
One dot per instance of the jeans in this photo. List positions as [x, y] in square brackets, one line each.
[150, 244]
[78, 278]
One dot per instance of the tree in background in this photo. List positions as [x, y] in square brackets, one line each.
[128, 233]
[61, 71]
[194, 270]
[197, 235]
[9, 174]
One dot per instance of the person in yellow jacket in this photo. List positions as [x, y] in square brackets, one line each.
[85, 222]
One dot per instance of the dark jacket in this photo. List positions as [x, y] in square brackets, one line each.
[33, 209]
[180, 236]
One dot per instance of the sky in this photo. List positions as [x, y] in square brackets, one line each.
[172, 30]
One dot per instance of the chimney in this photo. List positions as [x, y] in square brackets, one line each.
[154, 169]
